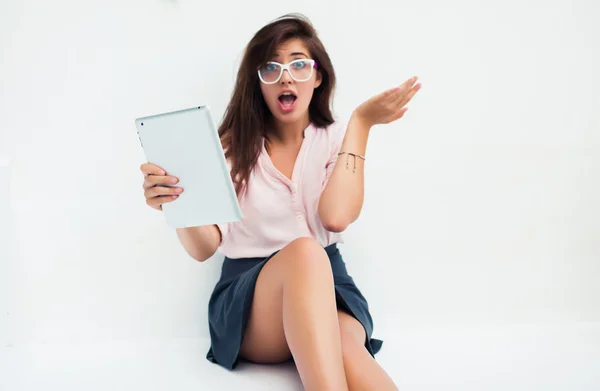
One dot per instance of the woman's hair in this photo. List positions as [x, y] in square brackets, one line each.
[247, 116]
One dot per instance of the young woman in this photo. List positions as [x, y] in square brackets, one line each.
[284, 292]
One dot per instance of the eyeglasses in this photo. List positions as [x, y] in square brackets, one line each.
[300, 70]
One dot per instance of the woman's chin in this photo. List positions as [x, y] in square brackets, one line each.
[290, 116]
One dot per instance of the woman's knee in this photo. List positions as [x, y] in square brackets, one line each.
[305, 245]
[307, 254]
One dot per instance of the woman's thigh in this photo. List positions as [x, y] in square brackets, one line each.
[350, 327]
[264, 338]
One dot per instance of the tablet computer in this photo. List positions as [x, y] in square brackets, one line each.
[185, 143]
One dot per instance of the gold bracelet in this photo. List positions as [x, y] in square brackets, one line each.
[355, 156]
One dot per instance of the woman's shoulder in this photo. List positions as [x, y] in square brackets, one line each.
[338, 122]
[333, 134]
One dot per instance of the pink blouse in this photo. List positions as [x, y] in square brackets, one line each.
[278, 210]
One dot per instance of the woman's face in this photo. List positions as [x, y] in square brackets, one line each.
[289, 99]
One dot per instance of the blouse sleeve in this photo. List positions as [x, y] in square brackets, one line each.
[224, 228]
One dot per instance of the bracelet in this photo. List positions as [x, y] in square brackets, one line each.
[355, 156]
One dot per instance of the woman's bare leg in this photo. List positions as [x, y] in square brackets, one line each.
[362, 371]
[294, 313]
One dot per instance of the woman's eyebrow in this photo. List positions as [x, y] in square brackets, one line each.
[277, 55]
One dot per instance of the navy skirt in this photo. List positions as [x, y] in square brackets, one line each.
[231, 301]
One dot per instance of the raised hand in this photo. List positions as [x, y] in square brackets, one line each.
[389, 105]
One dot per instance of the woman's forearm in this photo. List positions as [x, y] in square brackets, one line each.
[200, 242]
[342, 199]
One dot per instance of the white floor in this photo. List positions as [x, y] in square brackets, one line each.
[565, 357]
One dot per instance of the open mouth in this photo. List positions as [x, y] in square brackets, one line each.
[287, 99]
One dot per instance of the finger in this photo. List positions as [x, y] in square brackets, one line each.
[399, 114]
[410, 95]
[403, 98]
[386, 96]
[157, 191]
[157, 202]
[388, 93]
[410, 82]
[151, 169]
[153, 180]
[404, 89]
[398, 94]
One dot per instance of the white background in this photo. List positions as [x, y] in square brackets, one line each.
[482, 204]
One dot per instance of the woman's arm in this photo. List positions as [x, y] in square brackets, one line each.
[342, 199]
[200, 242]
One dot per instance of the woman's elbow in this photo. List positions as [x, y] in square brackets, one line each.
[202, 256]
[335, 225]
[333, 221]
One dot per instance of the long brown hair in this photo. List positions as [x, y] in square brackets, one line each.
[247, 116]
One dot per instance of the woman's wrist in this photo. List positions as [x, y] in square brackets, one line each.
[360, 121]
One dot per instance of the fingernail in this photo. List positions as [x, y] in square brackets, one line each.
[173, 180]
[178, 190]
[162, 173]
[173, 197]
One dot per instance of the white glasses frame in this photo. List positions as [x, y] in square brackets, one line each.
[283, 67]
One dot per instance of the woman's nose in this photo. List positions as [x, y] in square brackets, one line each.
[285, 77]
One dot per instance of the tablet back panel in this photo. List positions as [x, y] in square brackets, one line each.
[186, 145]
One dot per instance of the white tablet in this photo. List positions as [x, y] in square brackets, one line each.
[186, 145]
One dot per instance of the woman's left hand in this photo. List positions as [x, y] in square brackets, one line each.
[388, 106]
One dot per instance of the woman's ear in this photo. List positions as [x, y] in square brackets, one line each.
[318, 80]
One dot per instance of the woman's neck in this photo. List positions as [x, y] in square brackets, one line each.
[290, 133]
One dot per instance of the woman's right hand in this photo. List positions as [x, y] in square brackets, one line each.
[156, 182]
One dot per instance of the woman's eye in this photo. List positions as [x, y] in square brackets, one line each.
[270, 67]
[299, 64]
